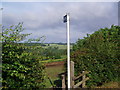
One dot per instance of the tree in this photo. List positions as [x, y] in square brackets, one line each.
[99, 53]
[20, 69]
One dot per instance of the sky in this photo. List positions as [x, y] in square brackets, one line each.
[0, 17]
[59, 0]
[46, 18]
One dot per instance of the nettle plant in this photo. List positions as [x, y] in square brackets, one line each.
[20, 69]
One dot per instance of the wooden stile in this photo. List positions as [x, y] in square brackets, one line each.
[63, 81]
[72, 73]
[73, 78]
[78, 84]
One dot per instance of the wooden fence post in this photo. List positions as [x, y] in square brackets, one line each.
[71, 74]
[63, 81]
[83, 77]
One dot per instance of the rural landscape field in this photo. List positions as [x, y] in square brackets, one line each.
[39, 65]
[55, 56]
[33, 45]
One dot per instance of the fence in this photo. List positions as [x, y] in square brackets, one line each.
[73, 78]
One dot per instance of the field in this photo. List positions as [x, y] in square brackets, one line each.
[23, 63]
[57, 45]
[54, 66]
[54, 60]
[52, 75]
[60, 47]
[51, 60]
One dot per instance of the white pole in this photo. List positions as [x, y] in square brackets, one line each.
[68, 50]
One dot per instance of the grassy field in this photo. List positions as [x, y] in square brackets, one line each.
[57, 45]
[52, 74]
[54, 60]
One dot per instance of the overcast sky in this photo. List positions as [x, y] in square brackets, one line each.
[46, 18]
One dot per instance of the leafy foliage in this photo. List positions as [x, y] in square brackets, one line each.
[53, 52]
[20, 69]
[99, 53]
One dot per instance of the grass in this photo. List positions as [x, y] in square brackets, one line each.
[110, 85]
[57, 45]
[54, 60]
[52, 72]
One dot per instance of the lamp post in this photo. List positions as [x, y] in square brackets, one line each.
[67, 21]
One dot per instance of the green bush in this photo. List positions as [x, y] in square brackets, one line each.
[98, 53]
[20, 69]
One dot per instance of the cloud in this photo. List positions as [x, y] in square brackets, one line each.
[60, 0]
[52, 35]
[46, 18]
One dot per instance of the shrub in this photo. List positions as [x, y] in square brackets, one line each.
[98, 53]
[20, 69]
